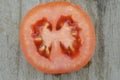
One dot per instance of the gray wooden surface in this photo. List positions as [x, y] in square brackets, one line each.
[105, 64]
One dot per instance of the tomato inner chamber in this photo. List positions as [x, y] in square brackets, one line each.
[67, 33]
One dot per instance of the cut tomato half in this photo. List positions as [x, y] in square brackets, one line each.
[57, 37]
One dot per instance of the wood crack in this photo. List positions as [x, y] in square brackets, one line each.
[18, 47]
[100, 50]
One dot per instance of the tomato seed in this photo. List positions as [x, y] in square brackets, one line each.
[38, 39]
[47, 51]
[42, 48]
[46, 25]
[74, 33]
[72, 49]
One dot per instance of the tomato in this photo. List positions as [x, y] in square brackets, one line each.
[57, 37]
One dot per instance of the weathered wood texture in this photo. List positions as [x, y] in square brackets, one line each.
[105, 64]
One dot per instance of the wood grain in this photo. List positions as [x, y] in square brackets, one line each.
[105, 64]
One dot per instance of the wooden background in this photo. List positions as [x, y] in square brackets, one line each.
[105, 64]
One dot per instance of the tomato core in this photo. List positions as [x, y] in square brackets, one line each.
[66, 32]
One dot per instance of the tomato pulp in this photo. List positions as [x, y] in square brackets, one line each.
[57, 37]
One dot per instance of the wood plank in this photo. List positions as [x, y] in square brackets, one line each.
[9, 39]
[111, 23]
[26, 71]
[84, 73]
[105, 62]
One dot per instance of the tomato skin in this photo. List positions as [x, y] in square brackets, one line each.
[87, 39]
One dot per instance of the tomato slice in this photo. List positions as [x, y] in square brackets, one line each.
[57, 37]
